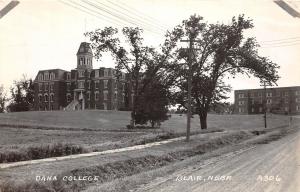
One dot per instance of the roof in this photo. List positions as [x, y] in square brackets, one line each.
[268, 88]
[84, 48]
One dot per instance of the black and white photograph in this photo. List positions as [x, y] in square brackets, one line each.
[149, 96]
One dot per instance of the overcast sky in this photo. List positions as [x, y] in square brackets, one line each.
[45, 34]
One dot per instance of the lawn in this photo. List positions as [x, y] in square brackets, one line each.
[97, 130]
[117, 120]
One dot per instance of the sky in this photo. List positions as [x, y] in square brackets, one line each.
[45, 34]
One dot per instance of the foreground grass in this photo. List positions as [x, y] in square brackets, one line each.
[120, 169]
[127, 174]
[31, 152]
[44, 151]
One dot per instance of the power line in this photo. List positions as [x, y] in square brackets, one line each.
[275, 40]
[293, 44]
[137, 14]
[140, 21]
[96, 14]
[83, 10]
[116, 15]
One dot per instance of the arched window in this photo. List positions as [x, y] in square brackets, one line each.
[52, 97]
[46, 98]
[40, 98]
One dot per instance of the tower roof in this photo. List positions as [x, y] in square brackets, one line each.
[84, 48]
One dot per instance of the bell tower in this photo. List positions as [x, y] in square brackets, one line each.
[84, 56]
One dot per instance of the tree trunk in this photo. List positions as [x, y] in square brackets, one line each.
[203, 120]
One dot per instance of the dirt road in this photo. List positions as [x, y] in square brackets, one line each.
[273, 167]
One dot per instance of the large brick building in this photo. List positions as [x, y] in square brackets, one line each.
[81, 88]
[283, 100]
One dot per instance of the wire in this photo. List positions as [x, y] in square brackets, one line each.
[275, 40]
[293, 44]
[82, 10]
[142, 15]
[116, 15]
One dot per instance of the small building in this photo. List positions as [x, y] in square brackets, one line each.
[83, 87]
[281, 100]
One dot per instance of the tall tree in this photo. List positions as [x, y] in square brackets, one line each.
[22, 95]
[154, 100]
[3, 99]
[220, 50]
[134, 57]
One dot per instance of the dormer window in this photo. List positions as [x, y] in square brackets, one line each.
[46, 76]
[52, 76]
[40, 77]
[96, 73]
[68, 76]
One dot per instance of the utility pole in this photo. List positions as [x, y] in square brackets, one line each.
[189, 80]
[265, 105]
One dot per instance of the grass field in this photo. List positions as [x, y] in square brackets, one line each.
[101, 130]
[117, 120]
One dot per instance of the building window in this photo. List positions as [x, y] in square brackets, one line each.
[81, 61]
[68, 86]
[96, 73]
[241, 95]
[123, 98]
[269, 94]
[40, 86]
[123, 87]
[89, 95]
[105, 73]
[241, 110]
[278, 94]
[241, 102]
[68, 76]
[297, 108]
[40, 98]
[46, 76]
[81, 84]
[52, 97]
[97, 96]
[52, 76]
[105, 96]
[259, 94]
[252, 110]
[105, 83]
[252, 101]
[89, 84]
[46, 86]
[80, 73]
[286, 100]
[68, 98]
[297, 100]
[40, 77]
[96, 84]
[286, 94]
[251, 94]
[286, 109]
[269, 101]
[46, 98]
[51, 86]
[297, 93]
